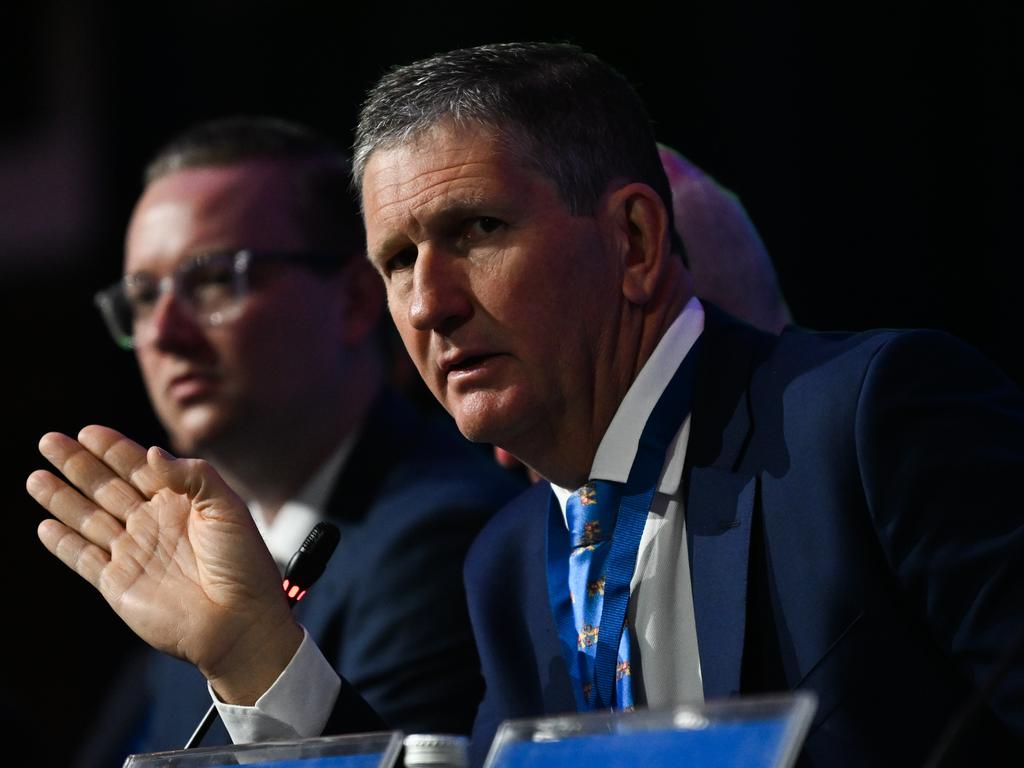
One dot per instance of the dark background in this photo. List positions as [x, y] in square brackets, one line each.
[878, 151]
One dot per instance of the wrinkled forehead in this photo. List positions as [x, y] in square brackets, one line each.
[449, 144]
[430, 138]
[447, 168]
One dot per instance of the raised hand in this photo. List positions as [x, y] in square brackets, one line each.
[174, 551]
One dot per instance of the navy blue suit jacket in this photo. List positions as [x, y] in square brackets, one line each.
[854, 528]
[389, 612]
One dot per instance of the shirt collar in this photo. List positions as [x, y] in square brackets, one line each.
[298, 515]
[615, 453]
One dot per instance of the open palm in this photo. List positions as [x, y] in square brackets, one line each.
[173, 550]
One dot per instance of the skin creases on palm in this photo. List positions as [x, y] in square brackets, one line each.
[173, 550]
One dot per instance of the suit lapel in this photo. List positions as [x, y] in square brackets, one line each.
[556, 689]
[719, 498]
[719, 510]
[377, 450]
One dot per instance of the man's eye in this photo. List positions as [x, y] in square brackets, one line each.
[214, 274]
[482, 225]
[402, 260]
[141, 291]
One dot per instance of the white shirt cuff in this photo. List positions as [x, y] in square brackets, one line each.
[296, 706]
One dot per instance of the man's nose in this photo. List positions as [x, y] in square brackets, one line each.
[441, 291]
[171, 325]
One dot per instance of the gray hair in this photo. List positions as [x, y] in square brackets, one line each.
[562, 110]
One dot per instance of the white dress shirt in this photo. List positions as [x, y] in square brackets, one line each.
[664, 654]
[296, 517]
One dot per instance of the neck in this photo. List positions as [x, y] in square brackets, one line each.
[270, 462]
[564, 454]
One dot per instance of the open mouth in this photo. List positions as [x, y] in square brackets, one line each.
[471, 367]
[468, 362]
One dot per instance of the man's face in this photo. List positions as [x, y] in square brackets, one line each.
[504, 299]
[209, 384]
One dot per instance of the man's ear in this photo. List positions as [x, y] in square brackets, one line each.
[639, 231]
[359, 313]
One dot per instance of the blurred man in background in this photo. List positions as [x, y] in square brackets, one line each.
[256, 322]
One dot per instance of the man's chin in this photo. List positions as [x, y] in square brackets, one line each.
[198, 434]
[190, 444]
[490, 418]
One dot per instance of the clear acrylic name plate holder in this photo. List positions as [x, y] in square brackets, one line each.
[756, 732]
[365, 750]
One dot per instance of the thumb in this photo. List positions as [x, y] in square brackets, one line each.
[201, 483]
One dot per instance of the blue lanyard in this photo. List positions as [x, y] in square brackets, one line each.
[634, 505]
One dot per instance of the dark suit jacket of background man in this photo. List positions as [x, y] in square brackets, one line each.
[389, 612]
[854, 526]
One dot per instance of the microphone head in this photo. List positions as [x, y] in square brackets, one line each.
[310, 560]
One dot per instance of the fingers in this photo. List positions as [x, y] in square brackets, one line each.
[505, 459]
[85, 559]
[508, 461]
[73, 509]
[126, 457]
[91, 476]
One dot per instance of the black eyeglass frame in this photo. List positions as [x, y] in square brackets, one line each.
[118, 315]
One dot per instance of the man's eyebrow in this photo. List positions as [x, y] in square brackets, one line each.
[378, 252]
[438, 218]
[456, 210]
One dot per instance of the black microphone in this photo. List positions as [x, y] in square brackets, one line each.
[308, 563]
[306, 566]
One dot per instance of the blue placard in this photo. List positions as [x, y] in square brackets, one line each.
[722, 745]
[337, 761]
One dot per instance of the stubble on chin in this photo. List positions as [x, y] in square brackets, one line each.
[195, 430]
[494, 417]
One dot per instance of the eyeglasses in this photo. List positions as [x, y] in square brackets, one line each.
[211, 288]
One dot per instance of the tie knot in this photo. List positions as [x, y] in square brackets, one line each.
[590, 514]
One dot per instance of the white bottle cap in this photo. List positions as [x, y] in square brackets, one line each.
[438, 750]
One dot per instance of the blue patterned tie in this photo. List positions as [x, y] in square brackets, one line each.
[597, 560]
[590, 513]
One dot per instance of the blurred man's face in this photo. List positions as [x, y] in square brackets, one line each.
[504, 299]
[210, 384]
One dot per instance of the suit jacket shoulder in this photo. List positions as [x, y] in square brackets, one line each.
[884, 552]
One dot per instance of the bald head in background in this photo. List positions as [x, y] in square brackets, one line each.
[730, 265]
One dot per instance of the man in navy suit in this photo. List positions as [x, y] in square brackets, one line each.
[255, 320]
[849, 525]
[849, 519]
